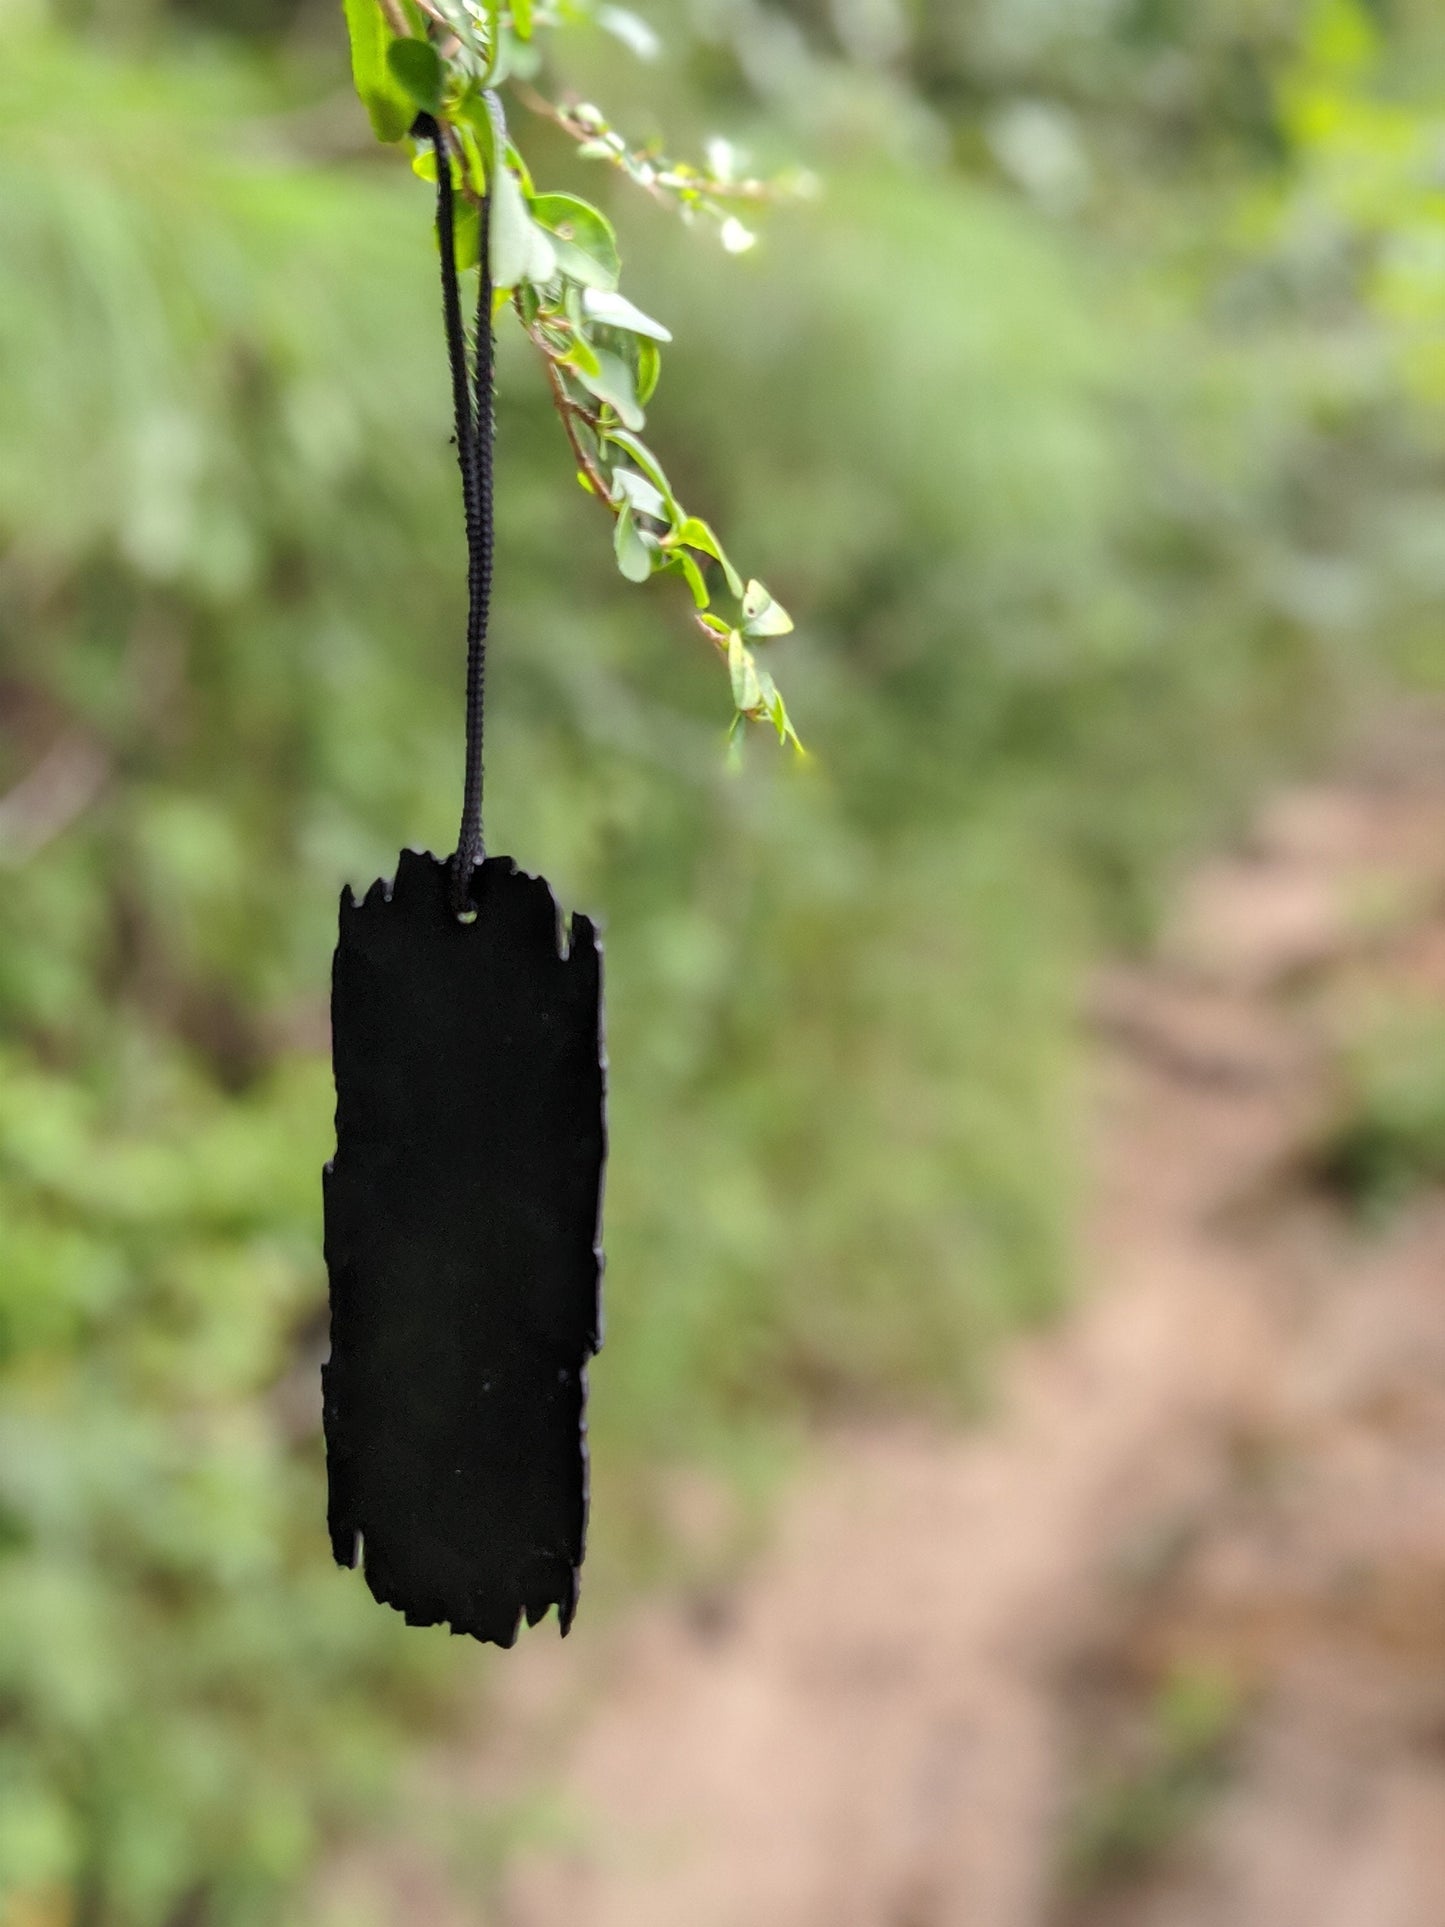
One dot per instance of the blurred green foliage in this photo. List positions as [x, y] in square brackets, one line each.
[1080, 427]
[1388, 1139]
[1131, 1816]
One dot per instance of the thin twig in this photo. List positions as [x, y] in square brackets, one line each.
[665, 185]
[567, 409]
[718, 642]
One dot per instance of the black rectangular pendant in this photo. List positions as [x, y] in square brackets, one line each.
[462, 1241]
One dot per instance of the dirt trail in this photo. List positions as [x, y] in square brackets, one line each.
[1161, 1644]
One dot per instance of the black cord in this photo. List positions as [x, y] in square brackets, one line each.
[475, 409]
[480, 545]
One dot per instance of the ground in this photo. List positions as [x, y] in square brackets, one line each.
[1160, 1641]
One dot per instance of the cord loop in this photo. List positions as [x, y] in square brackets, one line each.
[474, 406]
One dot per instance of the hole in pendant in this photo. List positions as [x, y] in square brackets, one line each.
[466, 916]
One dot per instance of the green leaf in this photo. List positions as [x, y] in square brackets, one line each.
[772, 704]
[583, 237]
[634, 557]
[747, 693]
[763, 615]
[641, 495]
[651, 468]
[583, 357]
[616, 311]
[649, 369]
[416, 67]
[681, 563]
[467, 234]
[613, 383]
[518, 244]
[521, 252]
[776, 711]
[699, 535]
[474, 167]
[517, 162]
[388, 105]
[522, 18]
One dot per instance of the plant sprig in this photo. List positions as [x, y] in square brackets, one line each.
[556, 262]
[713, 191]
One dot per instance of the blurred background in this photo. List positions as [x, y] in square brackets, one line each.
[1091, 422]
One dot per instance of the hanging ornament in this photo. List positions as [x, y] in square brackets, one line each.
[463, 1202]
